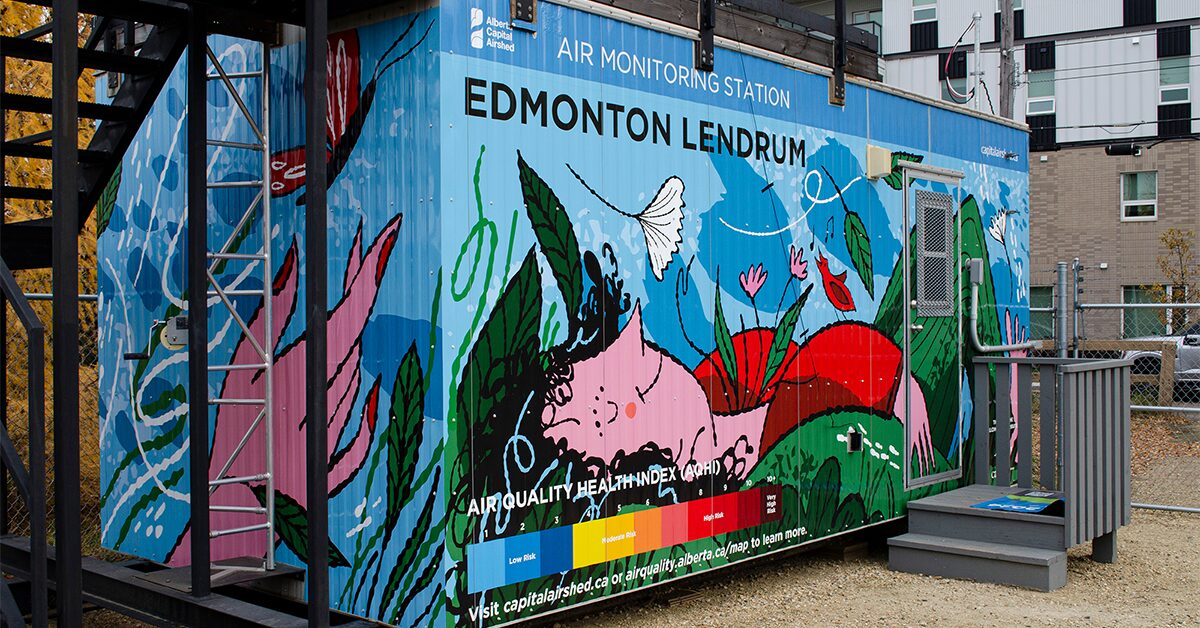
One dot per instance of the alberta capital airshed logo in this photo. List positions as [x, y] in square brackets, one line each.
[491, 32]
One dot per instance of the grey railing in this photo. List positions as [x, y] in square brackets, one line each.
[1084, 430]
[31, 481]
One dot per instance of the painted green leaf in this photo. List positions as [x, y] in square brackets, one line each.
[555, 236]
[403, 434]
[896, 178]
[406, 561]
[107, 200]
[499, 364]
[506, 346]
[859, 245]
[724, 341]
[783, 337]
[291, 524]
[850, 514]
[823, 494]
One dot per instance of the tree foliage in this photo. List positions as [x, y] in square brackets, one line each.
[1181, 275]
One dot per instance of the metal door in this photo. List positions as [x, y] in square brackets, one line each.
[932, 329]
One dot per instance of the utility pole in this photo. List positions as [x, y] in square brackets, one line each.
[977, 64]
[1007, 69]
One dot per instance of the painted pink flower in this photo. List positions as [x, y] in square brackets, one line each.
[798, 265]
[753, 280]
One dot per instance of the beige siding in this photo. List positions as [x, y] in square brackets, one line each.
[1075, 212]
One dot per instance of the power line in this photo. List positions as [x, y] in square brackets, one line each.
[1057, 44]
[1130, 125]
[1106, 74]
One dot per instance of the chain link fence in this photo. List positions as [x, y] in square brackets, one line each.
[1163, 340]
[17, 395]
[1156, 328]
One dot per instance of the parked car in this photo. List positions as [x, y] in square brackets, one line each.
[1187, 356]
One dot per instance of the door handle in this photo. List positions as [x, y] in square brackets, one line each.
[917, 327]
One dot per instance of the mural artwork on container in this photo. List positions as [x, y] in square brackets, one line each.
[385, 452]
[590, 329]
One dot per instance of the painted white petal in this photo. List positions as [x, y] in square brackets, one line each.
[662, 224]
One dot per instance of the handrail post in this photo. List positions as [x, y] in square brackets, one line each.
[1003, 425]
[982, 422]
[1048, 429]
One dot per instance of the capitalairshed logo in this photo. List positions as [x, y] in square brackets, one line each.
[490, 32]
[476, 31]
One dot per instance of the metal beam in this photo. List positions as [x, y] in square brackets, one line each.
[316, 32]
[36, 387]
[837, 82]
[808, 20]
[65, 282]
[197, 273]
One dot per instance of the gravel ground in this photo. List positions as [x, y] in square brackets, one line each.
[1155, 582]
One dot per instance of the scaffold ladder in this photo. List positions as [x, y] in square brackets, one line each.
[255, 217]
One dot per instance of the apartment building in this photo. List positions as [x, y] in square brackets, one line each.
[1089, 74]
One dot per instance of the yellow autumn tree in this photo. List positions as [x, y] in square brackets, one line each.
[34, 79]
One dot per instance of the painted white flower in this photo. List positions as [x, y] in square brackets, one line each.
[662, 224]
[661, 221]
[999, 226]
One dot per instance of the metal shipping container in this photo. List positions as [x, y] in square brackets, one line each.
[598, 320]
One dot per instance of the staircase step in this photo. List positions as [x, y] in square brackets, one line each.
[39, 151]
[35, 50]
[41, 104]
[26, 193]
[983, 561]
[972, 526]
[952, 514]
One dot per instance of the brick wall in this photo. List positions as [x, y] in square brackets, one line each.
[1075, 211]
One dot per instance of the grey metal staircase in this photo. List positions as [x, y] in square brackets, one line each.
[1084, 453]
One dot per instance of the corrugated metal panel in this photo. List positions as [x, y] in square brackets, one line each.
[954, 16]
[1050, 17]
[1106, 81]
[918, 75]
[1169, 10]
[897, 15]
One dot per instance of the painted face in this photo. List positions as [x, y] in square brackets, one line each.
[628, 397]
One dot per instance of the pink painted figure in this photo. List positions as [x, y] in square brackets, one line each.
[632, 395]
[798, 266]
[1014, 334]
[753, 280]
[347, 319]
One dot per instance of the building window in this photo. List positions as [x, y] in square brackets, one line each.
[1139, 196]
[1040, 97]
[870, 21]
[924, 11]
[1174, 80]
[1141, 322]
[1140, 12]
[1041, 324]
[953, 86]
